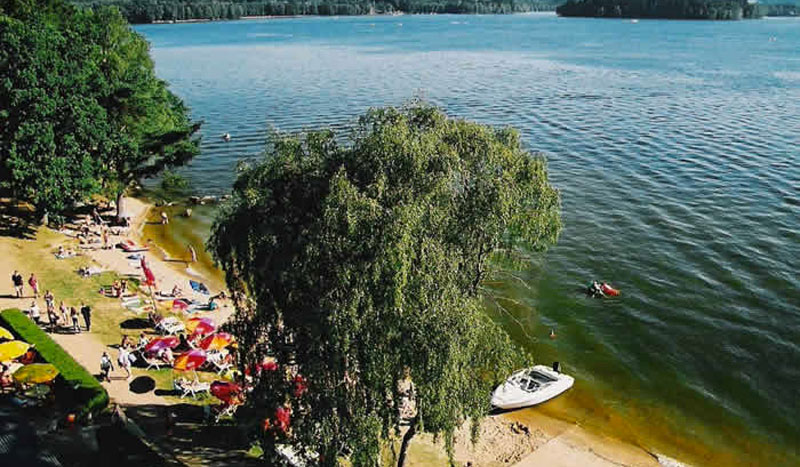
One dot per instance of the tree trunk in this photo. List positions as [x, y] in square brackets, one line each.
[412, 430]
[120, 210]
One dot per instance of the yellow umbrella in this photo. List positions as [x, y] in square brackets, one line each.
[36, 373]
[6, 334]
[12, 350]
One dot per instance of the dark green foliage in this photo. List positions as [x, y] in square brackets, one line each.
[90, 394]
[82, 110]
[671, 9]
[362, 264]
[148, 11]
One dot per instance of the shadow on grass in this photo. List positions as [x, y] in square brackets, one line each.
[184, 430]
[142, 385]
[135, 323]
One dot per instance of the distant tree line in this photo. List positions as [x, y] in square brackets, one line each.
[148, 11]
[781, 10]
[670, 9]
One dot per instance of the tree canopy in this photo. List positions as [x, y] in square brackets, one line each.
[672, 9]
[148, 11]
[83, 111]
[356, 266]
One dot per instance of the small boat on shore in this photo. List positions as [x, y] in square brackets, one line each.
[531, 386]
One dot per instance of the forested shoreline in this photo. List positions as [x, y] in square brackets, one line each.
[150, 11]
[666, 9]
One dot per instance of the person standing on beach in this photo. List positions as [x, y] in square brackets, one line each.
[16, 278]
[73, 314]
[164, 218]
[105, 367]
[34, 283]
[87, 316]
[193, 254]
[124, 360]
[64, 313]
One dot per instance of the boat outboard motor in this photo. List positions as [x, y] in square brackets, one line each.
[557, 367]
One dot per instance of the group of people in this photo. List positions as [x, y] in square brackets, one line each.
[65, 317]
[19, 284]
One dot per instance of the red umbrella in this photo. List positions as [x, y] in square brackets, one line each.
[225, 390]
[162, 343]
[150, 279]
[216, 341]
[200, 326]
[190, 360]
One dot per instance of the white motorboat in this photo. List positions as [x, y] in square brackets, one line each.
[531, 386]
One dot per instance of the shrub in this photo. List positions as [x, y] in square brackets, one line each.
[87, 393]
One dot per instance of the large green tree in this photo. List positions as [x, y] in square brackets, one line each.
[82, 109]
[357, 266]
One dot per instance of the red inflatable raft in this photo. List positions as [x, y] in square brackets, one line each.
[608, 290]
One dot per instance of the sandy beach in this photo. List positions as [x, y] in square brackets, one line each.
[507, 439]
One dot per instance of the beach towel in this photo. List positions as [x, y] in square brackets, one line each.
[199, 287]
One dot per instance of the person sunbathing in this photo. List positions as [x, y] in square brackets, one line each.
[176, 291]
[166, 356]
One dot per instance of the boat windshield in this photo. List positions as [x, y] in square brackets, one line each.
[532, 380]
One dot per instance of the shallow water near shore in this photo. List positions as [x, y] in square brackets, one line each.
[677, 150]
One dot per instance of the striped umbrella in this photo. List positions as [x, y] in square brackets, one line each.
[156, 345]
[190, 360]
[200, 326]
[12, 350]
[36, 373]
[217, 341]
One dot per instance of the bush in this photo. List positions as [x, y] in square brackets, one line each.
[88, 394]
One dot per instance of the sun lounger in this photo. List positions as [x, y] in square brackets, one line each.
[151, 361]
[170, 326]
[186, 387]
[216, 360]
[226, 410]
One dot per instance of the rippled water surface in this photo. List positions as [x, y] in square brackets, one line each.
[675, 145]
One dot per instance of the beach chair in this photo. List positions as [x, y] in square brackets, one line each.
[226, 410]
[217, 362]
[170, 326]
[193, 388]
[151, 361]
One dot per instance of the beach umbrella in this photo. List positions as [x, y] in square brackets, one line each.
[200, 326]
[225, 390]
[217, 341]
[161, 343]
[36, 373]
[13, 349]
[149, 277]
[6, 334]
[190, 360]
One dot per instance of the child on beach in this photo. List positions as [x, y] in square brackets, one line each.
[105, 367]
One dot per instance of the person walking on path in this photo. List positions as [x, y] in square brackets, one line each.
[16, 278]
[76, 325]
[34, 283]
[105, 367]
[87, 316]
[124, 360]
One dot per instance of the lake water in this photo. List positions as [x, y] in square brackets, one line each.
[676, 145]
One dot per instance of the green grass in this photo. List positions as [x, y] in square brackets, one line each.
[90, 395]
